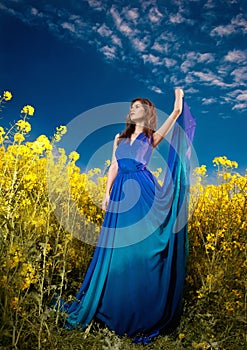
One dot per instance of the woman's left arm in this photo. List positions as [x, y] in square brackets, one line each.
[168, 124]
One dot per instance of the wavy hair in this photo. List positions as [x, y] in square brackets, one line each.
[150, 120]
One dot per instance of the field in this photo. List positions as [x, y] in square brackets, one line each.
[44, 197]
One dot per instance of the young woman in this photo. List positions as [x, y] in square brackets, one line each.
[135, 280]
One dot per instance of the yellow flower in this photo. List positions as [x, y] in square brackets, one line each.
[201, 171]
[19, 137]
[57, 137]
[23, 126]
[14, 303]
[7, 95]
[4, 280]
[226, 176]
[108, 162]
[61, 129]
[41, 144]
[2, 132]
[29, 276]
[181, 336]
[74, 156]
[29, 110]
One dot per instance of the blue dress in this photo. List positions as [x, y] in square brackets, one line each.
[134, 283]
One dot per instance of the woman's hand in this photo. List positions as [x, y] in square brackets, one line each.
[178, 103]
[179, 93]
[105, 202]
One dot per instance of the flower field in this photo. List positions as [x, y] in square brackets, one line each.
[44, 197]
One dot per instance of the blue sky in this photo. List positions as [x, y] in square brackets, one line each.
[66, 57]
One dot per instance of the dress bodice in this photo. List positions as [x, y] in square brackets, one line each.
[135, 156]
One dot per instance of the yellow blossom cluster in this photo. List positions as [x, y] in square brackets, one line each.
[74, 156]
[41, 144]
[28, 110]
[23, 125]
[27, 276]
[223, 161]
[217, 231]
[60, 131]
[7, 95]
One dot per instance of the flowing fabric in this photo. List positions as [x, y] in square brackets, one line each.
[134, 283]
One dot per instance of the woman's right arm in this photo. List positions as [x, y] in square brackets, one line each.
[112, 173]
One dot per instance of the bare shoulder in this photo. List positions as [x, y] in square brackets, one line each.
[116, 139]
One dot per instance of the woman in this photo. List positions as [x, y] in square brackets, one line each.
[135, 280]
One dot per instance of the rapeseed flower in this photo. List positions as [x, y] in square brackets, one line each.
[28, 110]
[62, 129]
[18, 137]
[23, 125]
[7, 95]
[200, 171]
[74, 156]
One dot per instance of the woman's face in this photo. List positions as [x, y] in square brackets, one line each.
[137, 112]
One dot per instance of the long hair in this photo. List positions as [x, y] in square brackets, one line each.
[150, 120]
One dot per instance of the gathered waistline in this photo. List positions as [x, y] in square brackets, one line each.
[127, 171]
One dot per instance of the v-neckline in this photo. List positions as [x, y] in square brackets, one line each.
[131, 143]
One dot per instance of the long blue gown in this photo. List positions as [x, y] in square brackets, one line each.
[134, 282]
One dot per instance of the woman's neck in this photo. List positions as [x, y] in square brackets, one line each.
[138, 129]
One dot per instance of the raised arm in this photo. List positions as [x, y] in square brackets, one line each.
[112, 173]
[168, 124]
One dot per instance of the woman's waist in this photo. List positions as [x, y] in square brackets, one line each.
[130, 167]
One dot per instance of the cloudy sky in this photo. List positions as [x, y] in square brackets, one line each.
[68, 56]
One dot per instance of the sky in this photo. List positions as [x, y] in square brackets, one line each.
[66, 58]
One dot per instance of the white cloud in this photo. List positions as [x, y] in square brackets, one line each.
[147, 3]
[208, 101]
[155, 15]
[125, 29]
[132, 14]
[240, 75]
[108, 52]
[211, 79]
[240, 22]
[192, 58]
[169, 62]
[237, 56]
[96, 4]
[68, 26]
[34, 11]
[116, 40]
[160, 48]
[240, 106]
[139, 45]
[151, 59]
[177, 18]
[116, 16]
[210, 4]
[242, 96]
[104, 30]
[223, 30]
[237, 25]
[181, 16]
[156, 89]
[191, 90]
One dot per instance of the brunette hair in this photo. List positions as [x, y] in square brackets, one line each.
[150, 120]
